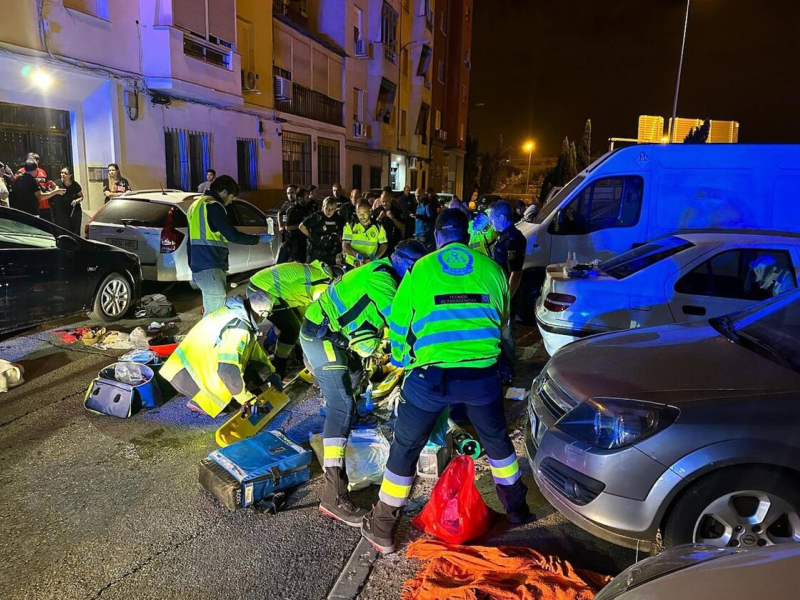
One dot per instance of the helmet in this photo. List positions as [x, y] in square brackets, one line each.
[365, 343]
[406, 254]
[261, 303]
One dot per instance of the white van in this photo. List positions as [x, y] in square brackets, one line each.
[638, 193]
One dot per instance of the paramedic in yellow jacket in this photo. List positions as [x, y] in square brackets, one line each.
[363, 240]
[221, 355]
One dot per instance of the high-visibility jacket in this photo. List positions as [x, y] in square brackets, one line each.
[482, 240]
[293, 285]
[215, 355]
[206, 244]
[360, 302]
[364, 240]
[449, 311]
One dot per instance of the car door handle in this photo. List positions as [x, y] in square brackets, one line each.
[697, 311]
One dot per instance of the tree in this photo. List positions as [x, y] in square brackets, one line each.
[572, 163]
[494, 167]
[584, 151]
[699, 135]
[471, 167]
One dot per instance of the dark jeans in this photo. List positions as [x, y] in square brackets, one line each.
[288, 322]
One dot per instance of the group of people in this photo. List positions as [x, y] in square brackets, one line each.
[448, 312]
[31, 191]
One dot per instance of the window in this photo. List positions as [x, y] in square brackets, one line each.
[466, 13]
[404, 62]
[441, 71]
[424, 183]
[425, 59]
[375, 177]
[296, 158]
[405, 5]
[464, 94]
[14, 234]
[386, 96]
[247, 161]
[359, 33]
[357, 177]
[730, 275]
[244, 44]
[603, 204]
[425, 11]
[445, 17]
[437, 119]
[414, 179]
[358, 105]
[187, 157]
[461, 132]
[327, 161]
[248, 216]
[630, 262]
[389, 18]
[211, 28]
[96, 8]
[422, 122]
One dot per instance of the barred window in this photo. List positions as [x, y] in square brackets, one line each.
[188, 158]
[375, 177]
[247, 162]
[296, 159]
[327, 161]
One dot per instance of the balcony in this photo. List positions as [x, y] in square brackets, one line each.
[312, 105]
[389, 54]
[282, 7]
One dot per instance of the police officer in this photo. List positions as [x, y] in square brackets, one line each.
[349, 319]
[445, 330]
[292, 288]
[210, 231]
[323, 232]
[364, 240]
[292, 214]
[221, 355]
[509, 253]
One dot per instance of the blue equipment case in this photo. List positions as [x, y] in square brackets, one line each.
[247, 471]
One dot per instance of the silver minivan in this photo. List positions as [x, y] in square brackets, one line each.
[153, 225]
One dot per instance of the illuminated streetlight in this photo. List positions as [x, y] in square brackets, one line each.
[528, 147]
[41, 79]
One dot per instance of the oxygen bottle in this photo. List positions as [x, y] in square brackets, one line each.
[465, 444]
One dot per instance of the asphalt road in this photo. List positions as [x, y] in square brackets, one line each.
[97, 507]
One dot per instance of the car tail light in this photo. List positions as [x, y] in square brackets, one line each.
[89, 222]
[171, 238]
[558, 302]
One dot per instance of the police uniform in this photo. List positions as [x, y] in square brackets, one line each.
[325, 238]
[295, 244]
[210, 364]
[445, 330]
[352, 309]
[509, 253]
[293, 287]
[364, 240]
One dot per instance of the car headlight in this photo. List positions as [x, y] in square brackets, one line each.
[612, 423]
[670, 561]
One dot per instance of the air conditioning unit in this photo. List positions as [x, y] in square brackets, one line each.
[249, 81]
[283, 89]
[412, 162]
[359, 130]
[363, 49]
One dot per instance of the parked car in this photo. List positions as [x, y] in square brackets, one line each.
[692, 430]
[49, 272]
[711, 573]
[674, 279]
[153, 225]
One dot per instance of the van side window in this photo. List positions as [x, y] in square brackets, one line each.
[731, 274]
[604, 204]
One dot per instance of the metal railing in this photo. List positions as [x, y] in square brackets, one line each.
[280, 7]
[312, 105]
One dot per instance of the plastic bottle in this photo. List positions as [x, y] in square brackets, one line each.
[270, 225]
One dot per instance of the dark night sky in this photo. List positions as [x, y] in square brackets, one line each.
[542, 67]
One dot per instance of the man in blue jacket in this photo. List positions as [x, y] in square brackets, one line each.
[210, 231]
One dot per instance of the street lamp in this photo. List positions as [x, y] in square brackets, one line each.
[529, 146]
[680, 69]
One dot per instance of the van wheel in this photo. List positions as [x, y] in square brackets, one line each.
[745, 507]
[113, 299]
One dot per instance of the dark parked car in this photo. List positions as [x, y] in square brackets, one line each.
[47, 272]
[692, 430]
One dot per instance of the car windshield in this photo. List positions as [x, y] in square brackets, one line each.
[630, 262]
[138, 212]
[556, 200]
[771, 328]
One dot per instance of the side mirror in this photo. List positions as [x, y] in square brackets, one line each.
[67, 242]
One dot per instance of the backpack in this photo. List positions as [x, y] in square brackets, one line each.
[154, 305]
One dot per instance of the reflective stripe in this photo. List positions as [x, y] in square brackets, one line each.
[470, 335]
[197, 242]
[458, 314]
[337, 301]
[276, 282]
[231, 358]
[330, 353]
[395, 489]
[333, 452]
[283, 350]
[506, 471]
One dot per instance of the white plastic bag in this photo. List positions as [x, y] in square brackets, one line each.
[364, 458]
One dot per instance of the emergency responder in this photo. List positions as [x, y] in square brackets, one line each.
[364, 240]
[210, 231]
[347, 210]
[221, 356]
[390, 216]
[509, 253]
[445, 330]
[292, 288]
[347, 322]
[295, 245]
[482, 235]
[323, 230]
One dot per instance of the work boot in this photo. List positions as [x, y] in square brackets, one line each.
[378, 526]
[335, 501]
[280, 365]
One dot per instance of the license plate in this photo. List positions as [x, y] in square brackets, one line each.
[131, 245]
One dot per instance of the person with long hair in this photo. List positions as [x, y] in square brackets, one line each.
[66, 208]
[115, 185]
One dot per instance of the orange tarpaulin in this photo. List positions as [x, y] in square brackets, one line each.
[503, 573]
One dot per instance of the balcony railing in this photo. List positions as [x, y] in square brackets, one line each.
[312, 105]
[280, 7]
[389, 54]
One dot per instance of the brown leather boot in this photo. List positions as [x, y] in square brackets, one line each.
[335, 501]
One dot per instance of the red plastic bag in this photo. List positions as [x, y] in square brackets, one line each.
[456, 512]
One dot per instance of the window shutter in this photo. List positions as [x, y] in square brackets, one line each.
[283, 50]
[88, 7]
[244, 44]
[222, 20]
[301, 63]
[335, 79]
[190, 15]
[320, 83]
